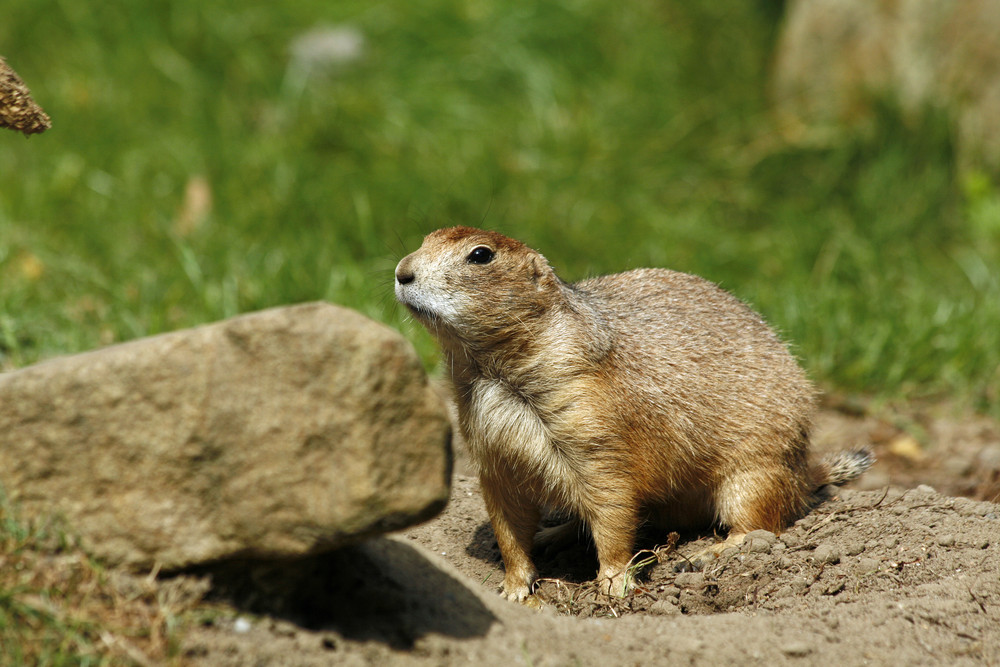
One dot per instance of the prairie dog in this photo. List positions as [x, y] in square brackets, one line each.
[644, 395]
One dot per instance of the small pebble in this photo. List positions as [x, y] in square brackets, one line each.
[791, 540]
[833, 588]
[826, 553]
[729, 553]
[665, 607]
[854, 548]
[962, 505]
[761, 534]
[796, 649]
[689, 600]
[967, 507]
[799, 584]
[946, 541]
[867, 565]
[671, 592]
[690, 580]
[758, 546]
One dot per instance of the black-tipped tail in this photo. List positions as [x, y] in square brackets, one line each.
[838, 469]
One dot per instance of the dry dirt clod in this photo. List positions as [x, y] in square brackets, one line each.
[757, 546]
[827, 554]
[866, 566]
[690, 580]
[665, 607]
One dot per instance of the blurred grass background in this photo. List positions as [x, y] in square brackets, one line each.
[608, 135]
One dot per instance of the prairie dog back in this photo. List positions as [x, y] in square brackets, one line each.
[683, 341]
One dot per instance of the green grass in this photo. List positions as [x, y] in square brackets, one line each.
[608, 135]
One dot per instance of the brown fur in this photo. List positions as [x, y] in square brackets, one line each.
[649, 393]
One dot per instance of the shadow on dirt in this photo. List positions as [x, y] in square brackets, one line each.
[574, 562]
[382, 590]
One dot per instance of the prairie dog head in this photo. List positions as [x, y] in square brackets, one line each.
[474, 284]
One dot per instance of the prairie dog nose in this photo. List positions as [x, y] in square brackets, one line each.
[404, 274]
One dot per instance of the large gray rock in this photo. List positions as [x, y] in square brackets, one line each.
[276, 434]
[836, 58]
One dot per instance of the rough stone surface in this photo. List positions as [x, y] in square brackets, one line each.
[276, 434]
[836, 59]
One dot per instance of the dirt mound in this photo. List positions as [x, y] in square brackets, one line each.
[907, 576]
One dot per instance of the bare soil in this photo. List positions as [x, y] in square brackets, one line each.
[904, 568]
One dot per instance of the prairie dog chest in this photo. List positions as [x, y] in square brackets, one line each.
[502, 429]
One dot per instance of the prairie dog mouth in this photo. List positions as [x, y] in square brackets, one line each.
[421, 313]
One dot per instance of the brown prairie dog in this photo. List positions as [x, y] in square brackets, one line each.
[644, 395]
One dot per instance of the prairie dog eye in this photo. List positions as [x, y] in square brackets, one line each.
[480, 255]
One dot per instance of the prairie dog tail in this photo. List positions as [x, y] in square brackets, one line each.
[838, 469]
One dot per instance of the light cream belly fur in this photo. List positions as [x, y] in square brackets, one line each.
[504, 431]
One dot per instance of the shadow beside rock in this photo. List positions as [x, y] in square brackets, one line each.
[382, 590]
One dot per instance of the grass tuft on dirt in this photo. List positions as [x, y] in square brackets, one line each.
[58, 607]
[589, 599]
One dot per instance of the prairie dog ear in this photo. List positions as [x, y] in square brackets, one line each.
[541, 272]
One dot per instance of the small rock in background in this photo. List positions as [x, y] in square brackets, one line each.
[838, 61]
[321, 53]
[906, 447]
[277, 434]
[324, 47]
[989, 457]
